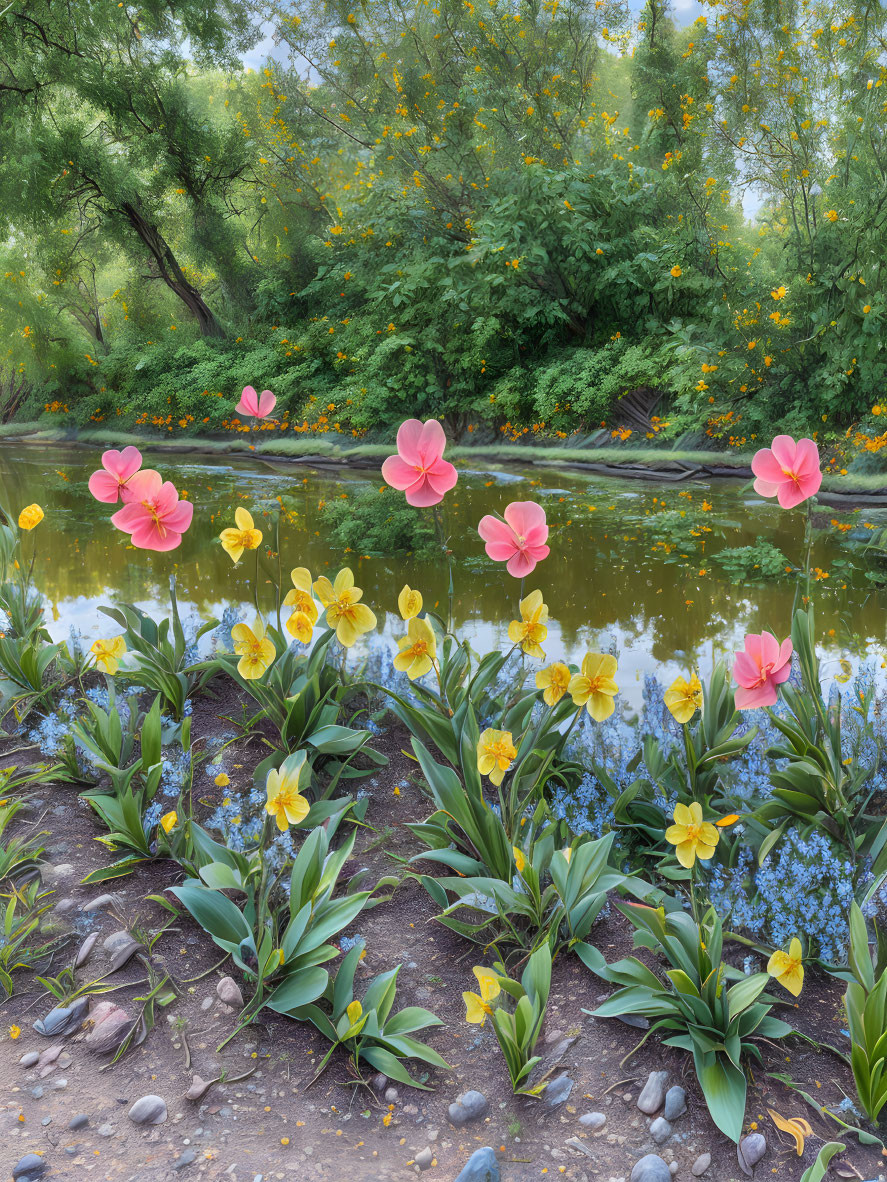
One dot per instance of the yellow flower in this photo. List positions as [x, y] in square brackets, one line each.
[222, 780]
[787, 967]
[409, 602]
[676, 272]
[684, 698]
[107, 653]
[832, 215]
[417, 649]
[344, 611]
[693, 837]
[30, 516]
[299, 625]
[301, 600]
[169, 821]
[593, 687]
[354, 1012]
[529, 631]
[519, 859]
[14, 1031]
[495, 752]
[244, 537]
[255, 650]
[778, 293]
[285, 802]
[555, 681]
[477, 1006]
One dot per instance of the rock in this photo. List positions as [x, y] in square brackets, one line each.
[29, 1167]
[470, 1105]
[58, 873]
[37, 1092]
[29, 1059]
[675, 1103]
[103, 903]
[63, 1019]
[557, 1091]
[379, 1083]
[651, 1168]
[750, 1150]
[85, 950]
[123, 950]
[592, 1120]
[660, 1130]
[481, 1167]
[185, 1159]
[579, 1146]
[700, 1165]
[106, 1130]
[653, 1092]
[78, 1122]
[149, 1110]
[424, 1158]
[229, 992]
[198, 1089]
[110, 1026]
[391, 1095]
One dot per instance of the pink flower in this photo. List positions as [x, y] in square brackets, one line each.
[154, 515]
[111, 482]
[760, 668]
[519, 540]
[257, 405]
[787, 470]
[419, 469]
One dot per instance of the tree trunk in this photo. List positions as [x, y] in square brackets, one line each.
[166, 267]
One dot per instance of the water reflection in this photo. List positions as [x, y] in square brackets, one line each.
[608, 583]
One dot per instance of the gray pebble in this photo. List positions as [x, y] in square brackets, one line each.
[750, 1151]
[675, 1103]
[37, 1092]
[471, 1105]
[379, 1083]
[592, 1120]
[481, 1167]
[80, 1121]
[701, 1165]
[85, 950]
[228, 991]
[653, 1092]
[660, 1130]
[424, 1158]
[391, 1095]
[557, 1091]
[106, 1130]
[29, 1059]
[116, 941]
[185, 1159]
[29, 1167]
[47, 1120]
[651, 1169]
[63, 1019]
[148, 1110]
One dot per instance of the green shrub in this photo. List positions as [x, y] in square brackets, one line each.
[379, 521]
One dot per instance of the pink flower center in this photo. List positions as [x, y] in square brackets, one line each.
[152, 511]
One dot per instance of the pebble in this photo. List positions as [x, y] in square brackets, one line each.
[675, 1103]
[29, 1059]
[103, 903]
[379, 1083]
[106, 1130]
[424, 1158]
[185, 1159]
[116, 941]
[660, 1130]
[471, 1105]
[750, 1151]
[558, 1091]
[653, 1092]
[80, 1121]
[110, 1026]
[228, 991]
[29, 1167]
[579, 1146]
[85, 949]
[592, 1120]
[148, 1110]
[391, 1095]
[481, 1167]
[700, 1165]
[651, 1168]
[37, 1092]
[63, 1019]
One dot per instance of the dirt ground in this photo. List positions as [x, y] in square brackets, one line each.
[278, 1125]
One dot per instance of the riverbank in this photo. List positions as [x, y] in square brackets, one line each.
[663, 464]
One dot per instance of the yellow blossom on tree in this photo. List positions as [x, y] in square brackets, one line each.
[676, 272]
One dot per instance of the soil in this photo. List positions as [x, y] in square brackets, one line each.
[280, 1125]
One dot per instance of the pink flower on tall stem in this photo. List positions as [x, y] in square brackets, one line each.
[787, 470]
[760, 668]
[154, 515]
[519, 540]
[111, 482]
[259, 406]
[419, 469]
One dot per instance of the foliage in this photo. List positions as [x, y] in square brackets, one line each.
[367, 1030]
[760, 562]
[693, 1002]
[378, 521]
[21, 944]
[866, 1004]
[517, 1030]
